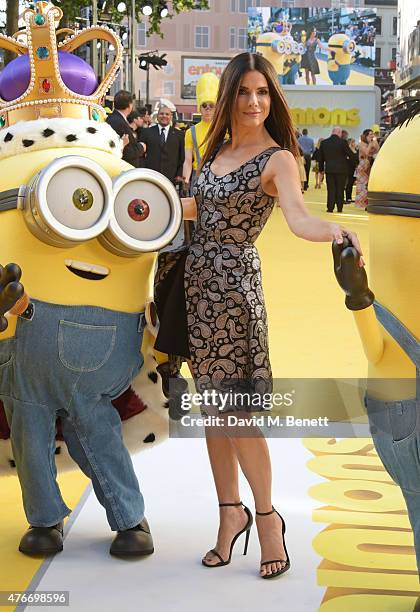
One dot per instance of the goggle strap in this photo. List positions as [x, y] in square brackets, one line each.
[9, 199]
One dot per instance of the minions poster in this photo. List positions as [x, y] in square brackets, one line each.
[316, 46]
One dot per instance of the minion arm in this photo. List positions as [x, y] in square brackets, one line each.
[359, 298]
[370, 333]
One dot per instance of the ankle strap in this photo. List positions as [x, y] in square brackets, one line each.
[265, 513]
[231, 504]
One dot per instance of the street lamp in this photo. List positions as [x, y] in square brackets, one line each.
[147, 59]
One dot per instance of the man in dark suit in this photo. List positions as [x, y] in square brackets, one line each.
[133, 151]
[165, 151]
[334, 153]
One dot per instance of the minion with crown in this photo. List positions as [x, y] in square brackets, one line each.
[84, 228]
[282, 51]
[340, 58]
[388, 321]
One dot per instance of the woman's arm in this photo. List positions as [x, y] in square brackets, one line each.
[283, 172]
[188, 164]
[363, 150]
[373, 148]
[189, 209]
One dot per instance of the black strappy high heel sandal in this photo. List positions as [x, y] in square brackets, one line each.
[247, 528]
[287, 560]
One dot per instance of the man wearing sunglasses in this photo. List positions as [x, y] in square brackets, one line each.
[206, 91]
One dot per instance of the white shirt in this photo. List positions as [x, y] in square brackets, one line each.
[166, 130]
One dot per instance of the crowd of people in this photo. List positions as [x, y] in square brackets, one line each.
[158, 145]
[342, 161]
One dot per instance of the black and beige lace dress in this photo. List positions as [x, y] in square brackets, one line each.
[226, 321]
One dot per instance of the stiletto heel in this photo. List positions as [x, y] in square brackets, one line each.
[285, 561]
[246, 529]
[247, 540]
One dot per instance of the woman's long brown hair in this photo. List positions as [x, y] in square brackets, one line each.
[279, 123]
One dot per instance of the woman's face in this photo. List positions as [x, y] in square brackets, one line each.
[253, 102]
[369, 136]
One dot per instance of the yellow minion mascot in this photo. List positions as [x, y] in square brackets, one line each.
[271, 46]
[389, 322]
[340, 51]
[84, 227]
[279, 48]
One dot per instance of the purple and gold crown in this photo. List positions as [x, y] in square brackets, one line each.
[283, 27]
[46, 80]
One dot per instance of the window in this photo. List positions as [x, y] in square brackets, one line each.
[196, 6]
[394, 53]
[242, 6]
[202, 37]
[232, 38]
[394, 26]
[378, 25]
[378, 54]
[242, 38]
[141, 34]
[168, 88]
[142, 89]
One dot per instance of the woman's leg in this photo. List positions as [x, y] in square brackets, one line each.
[224, 465]
[307, 77]
[254, 459]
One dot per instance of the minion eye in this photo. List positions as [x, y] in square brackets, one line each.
[75, 198]
[146, 215]
[280, 46]
[68, 202]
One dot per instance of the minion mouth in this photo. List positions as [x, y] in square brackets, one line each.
[86, 270]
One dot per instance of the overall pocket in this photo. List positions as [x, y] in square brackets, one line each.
[403, 419]
[7, 357]
[85, 348]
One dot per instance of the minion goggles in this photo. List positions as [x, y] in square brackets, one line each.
[73, 200]
[399, 204]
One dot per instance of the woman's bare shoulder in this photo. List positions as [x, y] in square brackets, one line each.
[282, 157]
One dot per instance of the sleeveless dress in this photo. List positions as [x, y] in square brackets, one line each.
[209, 293]
[226, 316]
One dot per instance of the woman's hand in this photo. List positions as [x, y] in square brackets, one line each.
[338, 232]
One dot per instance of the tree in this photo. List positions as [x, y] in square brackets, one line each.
[12, 18]
[72, 8]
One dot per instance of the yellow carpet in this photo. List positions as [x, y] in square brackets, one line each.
[17, 570]
[311, 335]
[355, 78]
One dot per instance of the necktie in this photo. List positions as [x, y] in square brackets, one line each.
[162, 137]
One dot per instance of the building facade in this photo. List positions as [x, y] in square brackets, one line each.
[201, 40]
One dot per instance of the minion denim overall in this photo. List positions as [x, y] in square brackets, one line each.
[70, 362]
[395, 427]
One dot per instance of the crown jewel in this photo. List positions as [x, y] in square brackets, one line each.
[60, 84]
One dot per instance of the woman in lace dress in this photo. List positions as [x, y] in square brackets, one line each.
[226, 329]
